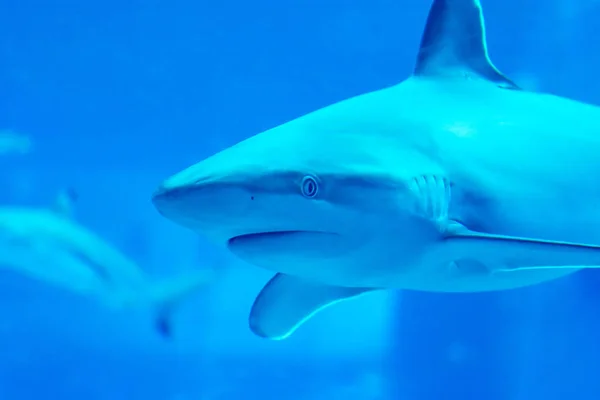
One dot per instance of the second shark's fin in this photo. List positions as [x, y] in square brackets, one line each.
[454, 44]
[167, 295]
[286, 302]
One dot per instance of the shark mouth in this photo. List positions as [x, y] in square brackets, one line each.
[266, 236]
[311, 244]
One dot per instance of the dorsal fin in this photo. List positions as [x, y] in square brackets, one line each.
[63, 204]
[454, 44]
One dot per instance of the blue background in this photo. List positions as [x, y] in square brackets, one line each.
[117, 95]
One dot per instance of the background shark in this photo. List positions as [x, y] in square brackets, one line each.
[455, 180]
[48, 245]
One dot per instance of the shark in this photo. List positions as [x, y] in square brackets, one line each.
[453, 180]
[48, 245]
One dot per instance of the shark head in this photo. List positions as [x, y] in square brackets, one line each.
[296, 192]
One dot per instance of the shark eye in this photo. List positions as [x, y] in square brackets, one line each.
[309, 187]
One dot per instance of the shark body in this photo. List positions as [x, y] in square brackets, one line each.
[48, 245]
[454, 180]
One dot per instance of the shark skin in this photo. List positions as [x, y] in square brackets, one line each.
[49, 246]
[454, 180]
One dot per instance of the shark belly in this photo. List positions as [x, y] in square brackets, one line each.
[465, 276]
[431, 267]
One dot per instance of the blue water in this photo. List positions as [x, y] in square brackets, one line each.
[117, 95]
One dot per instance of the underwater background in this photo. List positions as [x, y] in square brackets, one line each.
[110, 97]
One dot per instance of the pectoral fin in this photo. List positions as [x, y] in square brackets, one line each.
[287, 301]
[167, 295]
[507, 253]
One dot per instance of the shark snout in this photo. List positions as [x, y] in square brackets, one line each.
[165, 198]
[201, 206]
